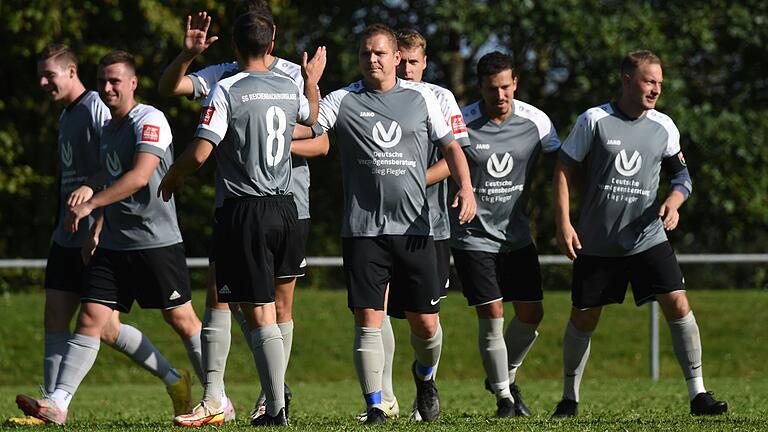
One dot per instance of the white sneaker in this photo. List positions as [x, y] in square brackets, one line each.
[391, 409]
[415, 414]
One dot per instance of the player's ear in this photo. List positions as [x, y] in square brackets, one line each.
[397, 57]
[425, 63]
[134, 82]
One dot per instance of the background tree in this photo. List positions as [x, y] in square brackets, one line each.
[567, 52]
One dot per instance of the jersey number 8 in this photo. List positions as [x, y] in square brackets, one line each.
[275, 135]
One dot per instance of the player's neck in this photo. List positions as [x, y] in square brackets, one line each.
[496, 116]
[629, 110]
[380, 85]
[123, 110]
[74, 94]
[255, 64]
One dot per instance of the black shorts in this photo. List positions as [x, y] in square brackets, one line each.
[252, 244]
[370, 262]
[155, 278]
[599, 281]
[507, 276]
[65, 269]
[297, 251]
[396, 299]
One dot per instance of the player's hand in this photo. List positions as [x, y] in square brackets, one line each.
[80, 195]
[465, 200]
[312, 70]
[88, 248]
[76, 214]
[196, 38]
[669, 215]
[568, 240]
[169, 185]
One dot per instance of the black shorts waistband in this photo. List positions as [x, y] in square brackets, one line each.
[266, 198]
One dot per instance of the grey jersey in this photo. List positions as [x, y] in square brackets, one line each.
[141, 221]
[78, 145]
[205, 79]
[437, 194]
[385, 140]
[622, 159]
[250, 117]
[501, 161]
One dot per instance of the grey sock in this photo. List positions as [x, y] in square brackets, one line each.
[240, 318]
[216, 338]
[78, 360]
[55, 348]
[519, 338]
[388, 340]
[136, 345]
[493, 352]
[268, 351]
[687, 344]
[369, 358]
[576, 346]
[428, 350]
[195, 354]
[286, 329]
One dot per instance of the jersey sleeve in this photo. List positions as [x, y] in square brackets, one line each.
[153, 133]
[101, 116]
[673, 139]
[579, 141]
[214, 117]
[304, 110]
[439, 131]
[550, 142]
[329, 110]
[204, 80]
[452, 114]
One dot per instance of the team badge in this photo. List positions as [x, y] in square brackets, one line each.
[150, 133]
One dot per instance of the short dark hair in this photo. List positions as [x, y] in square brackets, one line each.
[379, 29]
[632, 60]
[259, 6]
[252, 34]
[62, 53]
[411, 39]
[493, 63]
[118, 56]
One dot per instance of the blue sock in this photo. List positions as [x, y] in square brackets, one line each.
[372, 399]
[423, 372]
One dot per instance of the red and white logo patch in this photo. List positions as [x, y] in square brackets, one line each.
[207, 115]
[150, 133]
[457, 124]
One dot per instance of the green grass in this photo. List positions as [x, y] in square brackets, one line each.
[616, 393]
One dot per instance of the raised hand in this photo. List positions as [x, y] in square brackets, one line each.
[312, 70]
[196, 38]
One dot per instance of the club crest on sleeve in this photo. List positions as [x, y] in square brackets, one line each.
[457, 124]
[207, 115]
[682, 158]
[150, 133]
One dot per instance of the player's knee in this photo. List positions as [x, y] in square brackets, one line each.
[532, 313]
[492, 310]
[424, 325]
[674, 305]
[183, 320]
[585, 320]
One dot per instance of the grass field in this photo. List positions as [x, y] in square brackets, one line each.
[616, 393]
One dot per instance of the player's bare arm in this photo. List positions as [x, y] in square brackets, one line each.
[131, 182]
[93, 238]
[438, 172]
[190, 161]
[174, 81]
[310, 147]
[86, 191]
[465, 197]
[312, 70]
[567, 238]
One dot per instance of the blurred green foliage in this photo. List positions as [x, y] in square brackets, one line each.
[567, 52]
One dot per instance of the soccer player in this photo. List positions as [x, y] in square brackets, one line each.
[620, 237]
[249, 119]
[385, 128]
[216, 321]
[413, 61]
[494, 254]
[140, 254]
[80, 125]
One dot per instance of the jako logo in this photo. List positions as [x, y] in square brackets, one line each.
[66, 154]
[628, 166]
[114, 166]
[387, 138]
[498, 168]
